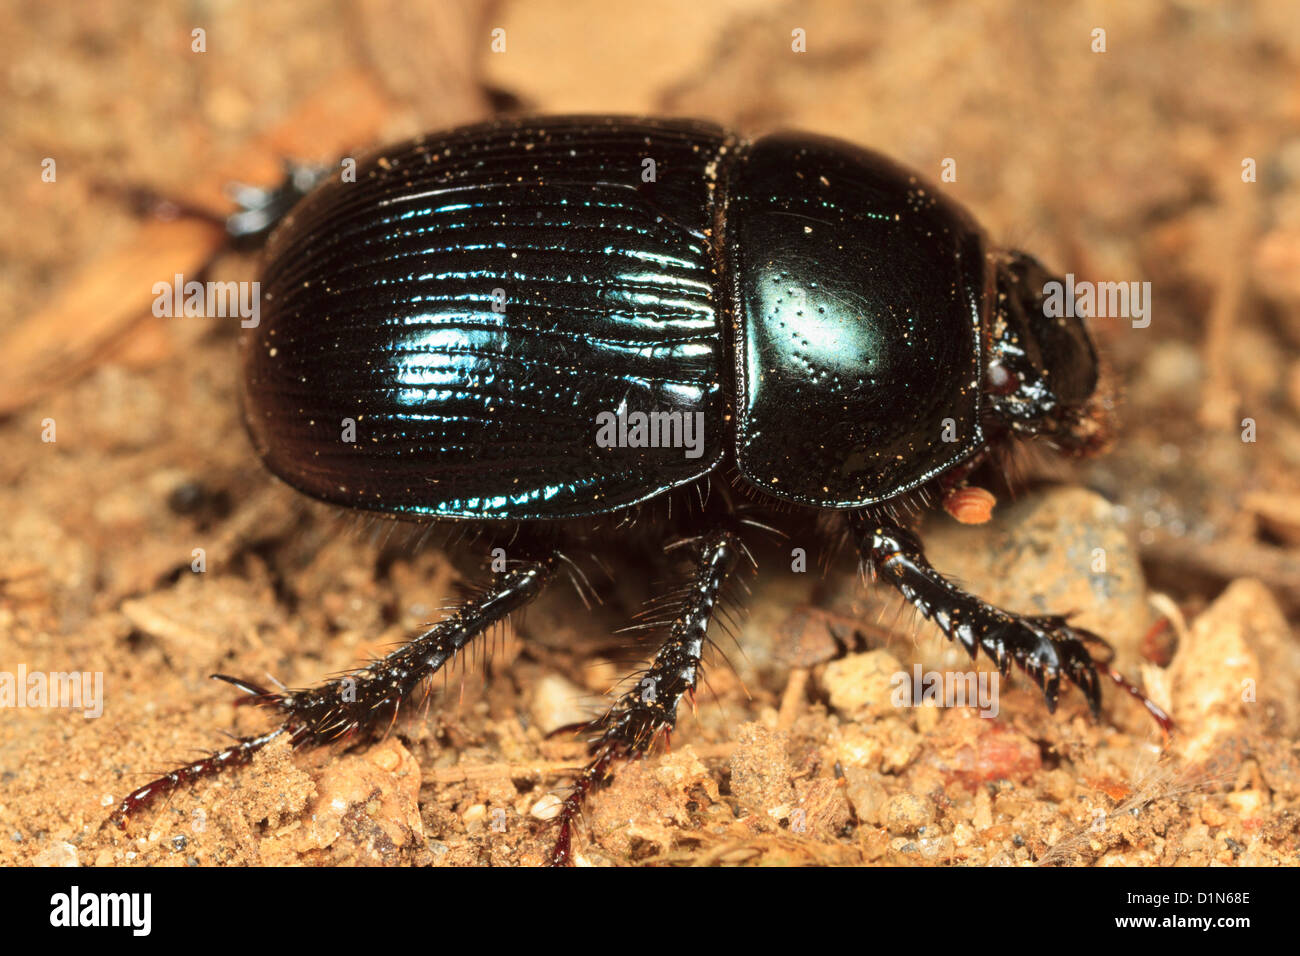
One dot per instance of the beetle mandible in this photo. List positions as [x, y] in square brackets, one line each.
[534, 330]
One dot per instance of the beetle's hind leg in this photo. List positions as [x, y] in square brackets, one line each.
[366, 699]
[649, 707]
[1045, 647]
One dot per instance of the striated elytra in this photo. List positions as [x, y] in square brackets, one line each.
[543, 327]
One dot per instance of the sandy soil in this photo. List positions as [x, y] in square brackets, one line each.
[1126, 164]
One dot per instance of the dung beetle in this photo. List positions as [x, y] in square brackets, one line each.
[568, 331]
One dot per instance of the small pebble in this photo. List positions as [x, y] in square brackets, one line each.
[907, 813]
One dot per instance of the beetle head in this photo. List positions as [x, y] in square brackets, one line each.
[1043, 370]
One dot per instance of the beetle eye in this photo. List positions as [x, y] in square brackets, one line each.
[1002, 381]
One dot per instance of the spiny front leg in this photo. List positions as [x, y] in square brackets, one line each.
[1046, 648]
[365, 699]
[636, 719]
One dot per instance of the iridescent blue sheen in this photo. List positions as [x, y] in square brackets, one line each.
[474, 301]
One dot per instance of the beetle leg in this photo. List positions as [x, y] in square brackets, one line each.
[261, 210]
[367, 698]
[1044, 647]
[634, 721]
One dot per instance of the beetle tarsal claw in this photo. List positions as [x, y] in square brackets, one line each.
[1044, 647]
[365, 700]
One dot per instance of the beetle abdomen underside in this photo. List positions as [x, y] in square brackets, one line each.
[474, 303]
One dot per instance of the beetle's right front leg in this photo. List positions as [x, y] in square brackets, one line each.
[367, 698]
[1046, 648]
